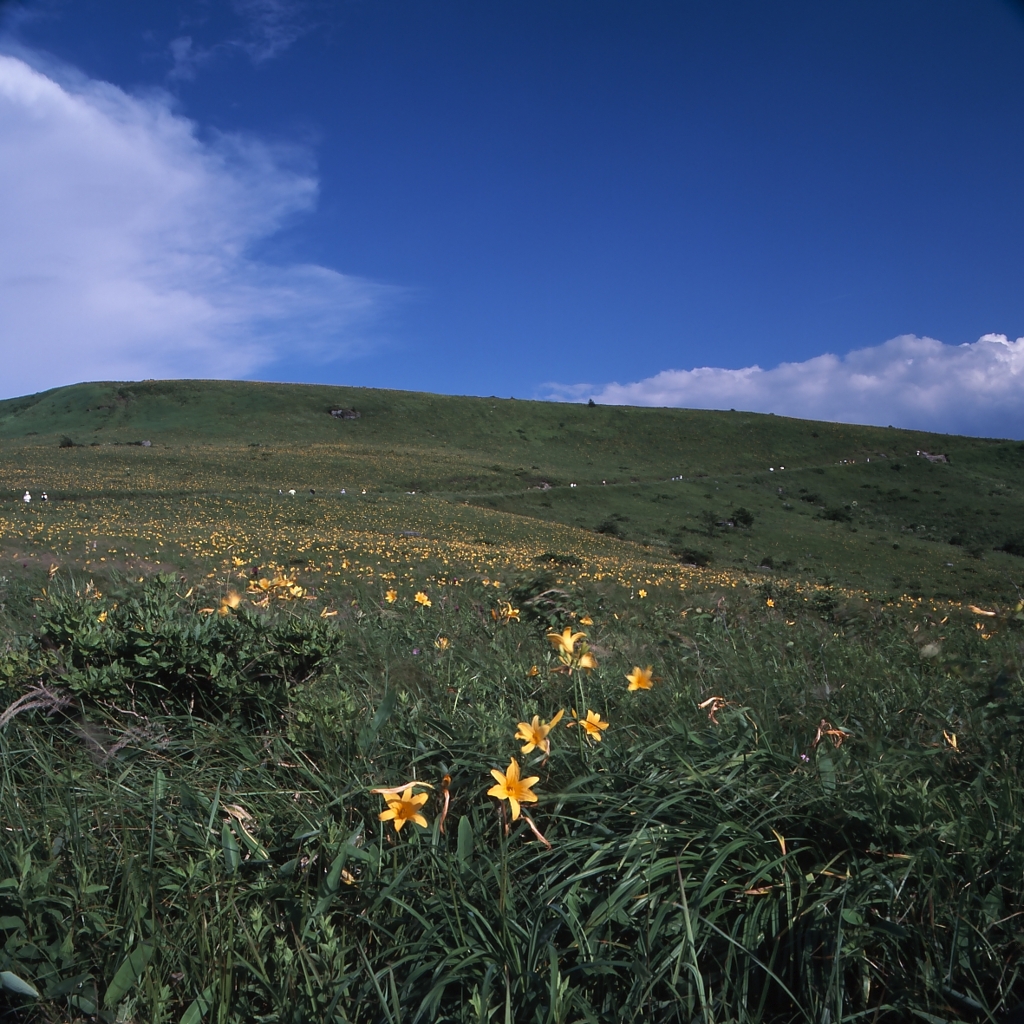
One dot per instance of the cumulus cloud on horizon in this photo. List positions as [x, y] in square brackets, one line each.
[128, 241]
[913, 382]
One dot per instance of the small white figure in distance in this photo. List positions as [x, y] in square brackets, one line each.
[27, 498]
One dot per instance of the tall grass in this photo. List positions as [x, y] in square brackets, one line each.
[187, 853]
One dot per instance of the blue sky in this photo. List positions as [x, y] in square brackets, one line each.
[542, 199]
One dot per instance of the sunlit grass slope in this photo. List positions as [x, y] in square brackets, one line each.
[585, 443]
[835, 503]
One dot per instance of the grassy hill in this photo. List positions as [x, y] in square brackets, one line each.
[770, 786]
[836, 503]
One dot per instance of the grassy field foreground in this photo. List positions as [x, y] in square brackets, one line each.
[764, 792]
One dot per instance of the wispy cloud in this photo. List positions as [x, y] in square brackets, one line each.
[127, 241]
[909, 381]
[265, 29]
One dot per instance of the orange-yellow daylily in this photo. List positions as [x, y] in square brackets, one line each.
[391, 596]
[565, 642]
[641, 678]
[421, 599]
[586, 661]
[505, 613]
[229, 603]
[535, 734]
[534, 671]
[591, 725]
[512, 788]
[403, 807]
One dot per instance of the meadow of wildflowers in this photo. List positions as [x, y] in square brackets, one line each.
[404, 757]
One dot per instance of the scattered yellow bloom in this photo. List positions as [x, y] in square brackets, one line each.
[512, 788]
[641, 678]
[422, 599]
[586, 621]
[642, 593]
[403, 807]
[535, 734]
[391, 596]
[505, 613]
[586, 661]
[442, 643]
[565, 642]
[770, 603]
[592, 724]
[102, 617]
[534, 671]
[228, 603]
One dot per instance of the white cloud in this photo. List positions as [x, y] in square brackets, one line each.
[266, 29]
[911, 382]
[126, 243]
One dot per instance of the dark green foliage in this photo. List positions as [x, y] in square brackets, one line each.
[743, 517]
[152, 647]
[1013, 546]
[837, 515]
[691, 556]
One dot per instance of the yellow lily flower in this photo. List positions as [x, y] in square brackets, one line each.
[535, 734]
[534, 671]
[422, 599]
[391, 596]
[565, 642]
[641, 678]
[403, 807]
[642, 594]
[505, 613]
[592, 725]
[587, 662]
[586, 621]
[512, 788]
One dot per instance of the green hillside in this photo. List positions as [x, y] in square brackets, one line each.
[771, 784]
[838, 503]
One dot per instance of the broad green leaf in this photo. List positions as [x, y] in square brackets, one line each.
[827, 774]
[464, 850]
[12, 983]
[229, 845]
[128, 974]
[159, 785]
[198, 1007]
